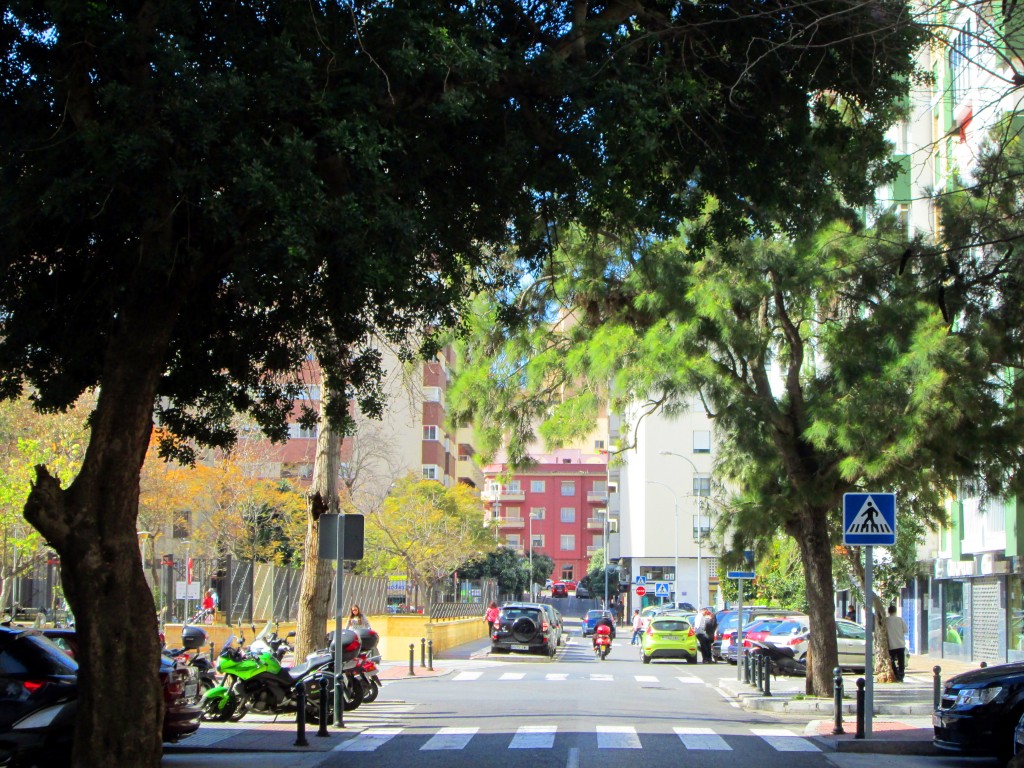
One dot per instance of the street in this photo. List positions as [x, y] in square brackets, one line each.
[572, 711]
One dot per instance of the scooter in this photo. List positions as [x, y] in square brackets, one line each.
[193, 640]
[781, 659]
[602, 641]
[260, 684]
[268, 641]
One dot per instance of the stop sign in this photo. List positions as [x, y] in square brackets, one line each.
[641, 591]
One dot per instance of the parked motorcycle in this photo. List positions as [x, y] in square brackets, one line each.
[366, 664]
[258, 683]
[781, 660]
[193, 641]
[354, 682]
[268, 641]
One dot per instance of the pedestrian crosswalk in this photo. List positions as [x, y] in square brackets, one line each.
[559, 677]
[608, 736]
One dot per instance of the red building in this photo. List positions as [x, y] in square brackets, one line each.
[565, 494]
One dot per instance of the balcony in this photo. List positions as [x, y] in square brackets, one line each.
[593, 548]
[491, 495]
[597, 497]
[509, 522]
[595, 523]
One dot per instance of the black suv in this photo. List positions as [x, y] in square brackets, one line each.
[525, 627]
[979, 711]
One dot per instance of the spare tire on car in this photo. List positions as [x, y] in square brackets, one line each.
[524, 629]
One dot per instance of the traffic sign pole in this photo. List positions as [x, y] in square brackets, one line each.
[739, 630]
[869, 637]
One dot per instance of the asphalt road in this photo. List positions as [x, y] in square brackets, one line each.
[569, 712]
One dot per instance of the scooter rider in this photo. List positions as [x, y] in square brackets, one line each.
[603, 627]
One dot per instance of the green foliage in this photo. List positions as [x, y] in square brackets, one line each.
[510, 569]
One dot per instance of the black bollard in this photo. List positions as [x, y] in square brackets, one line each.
[984, 664]
[860, 708]
[748, 673]
[430, 655]
[325, 689]
[412, 658]
[759, 671]
[837, 682]
[767, 690]
[423, 652]
[212, 659]
[300, 717]
[936, 686]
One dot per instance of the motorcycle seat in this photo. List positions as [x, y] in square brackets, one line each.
[313, 662]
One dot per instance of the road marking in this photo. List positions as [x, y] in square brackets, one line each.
[601, 678]
[689, 679]
[732, 702]
[450, 738]
[534, 737]
[556, 676]
[513, 676]
[467, 676]
[617, 737]
[784, 741]
[573, 761]
[368, 740]
[701, 738]
[645, 678]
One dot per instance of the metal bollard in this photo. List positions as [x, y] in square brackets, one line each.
[325, 687]
[984, 664]
[936, 686]
[860, 709]
[423, 652]
[412, 658]
[430, 655]
[759, 671]
[837, 682]
[212, 659]
[300, 717]
[767, 691]
[748, 676]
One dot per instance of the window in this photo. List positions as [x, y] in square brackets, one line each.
[658, 572]
[537, 513]
[538, 541]
[702, 485]
[430, 432]
[960, 64]
[600, 488]
[513, 541]
[568, 487]
[568, 514]
[296, 430]
[598, 541]
[183, 525]
[537, 486]
[567, 573]
[432, 394]
[513, 513]
[311, 393]
[513, 487]
[599, 445]
[431, 472]
[568, 542]
[702, 441]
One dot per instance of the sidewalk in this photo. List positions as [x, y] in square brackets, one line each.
[902, 711]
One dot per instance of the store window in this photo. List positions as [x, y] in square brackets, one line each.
[956, 624]
[1015, 620]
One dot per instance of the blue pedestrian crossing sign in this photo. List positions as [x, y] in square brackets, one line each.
[661, 590]
[869, 518]
[640, 581]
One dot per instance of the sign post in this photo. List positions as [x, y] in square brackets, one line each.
[740, 576]
[869, 519]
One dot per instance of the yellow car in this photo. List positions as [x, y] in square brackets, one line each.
[668, 637]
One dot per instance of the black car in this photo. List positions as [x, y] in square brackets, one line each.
[38, 697]
[980, 710]
[524, 627]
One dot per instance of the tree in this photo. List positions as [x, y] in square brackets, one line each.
[826, 367]
[510, 569]
[197, 194]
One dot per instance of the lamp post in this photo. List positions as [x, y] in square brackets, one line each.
[675, 498]
[700, 601]
[604, 544]
[530, 524]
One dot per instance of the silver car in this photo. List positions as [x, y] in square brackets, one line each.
[850, 640]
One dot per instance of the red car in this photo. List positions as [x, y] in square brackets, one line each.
[559, 589]
[179, 681]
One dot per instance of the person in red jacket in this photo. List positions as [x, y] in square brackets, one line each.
[491, 617]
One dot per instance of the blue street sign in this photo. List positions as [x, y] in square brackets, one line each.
[661, 590]
[640, 581]
[869, 519]
[748, 556]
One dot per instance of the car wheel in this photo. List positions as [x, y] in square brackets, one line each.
[691, 659]
[645, 658]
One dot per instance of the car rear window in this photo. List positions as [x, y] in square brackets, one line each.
[669, 625]
[30, 654]
[595, 614]
[790, 628]
[514, 613]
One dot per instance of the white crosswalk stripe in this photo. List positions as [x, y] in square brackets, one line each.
[617, 737]
[601, 678]
[646, 679]
[369, 740]
[556, 676]
[513, 676]
[701, 738]
[784, 741]
[450, 738]
[467, 676]
[689, 680]
[534, 737]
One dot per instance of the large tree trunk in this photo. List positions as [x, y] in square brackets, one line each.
[92, 525]
[884, 671]
[811, 533]
[315, 595]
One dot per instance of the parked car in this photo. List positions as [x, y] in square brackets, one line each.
[851, 640]
[757, 630]
[582, 591]
[556, 622]
[668, 637]
[179, 682]
[981, 712]
[728, 620]
[559, 589]
[591, 618]
[38, 699]
[524, 627]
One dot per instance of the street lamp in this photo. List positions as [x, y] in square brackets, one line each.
[700, 601]
[531, 554]
[675, 583]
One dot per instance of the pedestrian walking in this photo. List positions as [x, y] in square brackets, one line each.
[851, 615]
[712, 629]
[356, 619]
[897, 629]
[701, 627]
[638, 627]
[491, 617]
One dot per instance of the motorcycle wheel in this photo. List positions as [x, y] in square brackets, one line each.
[354, 694]
[214, 713]
[371, 691]
[604, 653]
